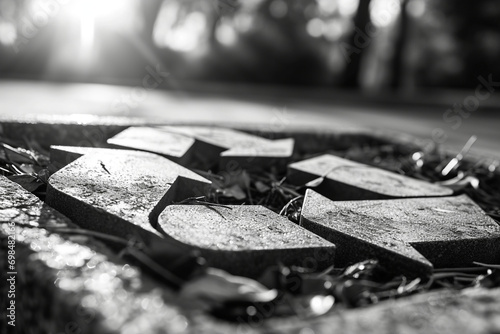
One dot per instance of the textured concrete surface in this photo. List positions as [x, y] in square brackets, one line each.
[409, 235]
[348, 180]
[245, 239]
[235, 149]
[174, 146]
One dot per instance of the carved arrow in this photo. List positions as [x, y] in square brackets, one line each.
[204, 147]
[348, 180]
[406, 235]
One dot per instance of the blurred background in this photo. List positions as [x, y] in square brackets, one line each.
[370, 44]
[351, 58]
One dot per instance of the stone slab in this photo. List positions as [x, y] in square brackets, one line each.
[68, 282]
[174, 146]
[245, 239]
[231, 147]
[348, 180]
[406, 235]
[122, 193]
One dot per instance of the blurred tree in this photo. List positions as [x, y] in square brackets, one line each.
[397, 70]
[361, 21]
[456, 41]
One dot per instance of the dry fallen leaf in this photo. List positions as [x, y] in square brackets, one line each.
[220, 287]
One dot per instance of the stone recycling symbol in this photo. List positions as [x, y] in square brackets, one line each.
[357, 212]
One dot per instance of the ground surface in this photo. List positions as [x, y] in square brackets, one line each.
[86, 281]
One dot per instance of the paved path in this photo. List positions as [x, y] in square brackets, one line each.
[277, 107]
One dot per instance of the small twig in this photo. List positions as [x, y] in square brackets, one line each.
[104, 167]
[459, 157]
[16, 169]
[6, 170]
[283, 211]
[453, 275]
[486, 265]
[200, 200]
[465, 269]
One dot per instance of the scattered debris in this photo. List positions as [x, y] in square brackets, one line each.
[297, 288]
